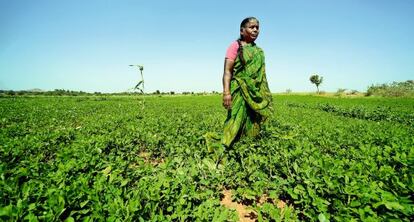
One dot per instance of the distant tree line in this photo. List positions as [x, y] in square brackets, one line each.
[394, 89]
[56, 92]
[63, 92]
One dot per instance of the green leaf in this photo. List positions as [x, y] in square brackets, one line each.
[355, 203]
[394, 205]
[84, 203]
[124, 182]
[70, 219]
[322, 217]
[6, 211]
[107, 170]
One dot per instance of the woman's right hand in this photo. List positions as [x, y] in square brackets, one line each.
[227, 101]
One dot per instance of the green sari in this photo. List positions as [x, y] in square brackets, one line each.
[251, 97]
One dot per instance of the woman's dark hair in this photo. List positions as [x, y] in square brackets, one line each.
[240, 49]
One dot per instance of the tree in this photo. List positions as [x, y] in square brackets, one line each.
[315, 79]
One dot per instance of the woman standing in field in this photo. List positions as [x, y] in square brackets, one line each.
[246, 94]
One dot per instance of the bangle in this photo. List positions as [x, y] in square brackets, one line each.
[226, 93]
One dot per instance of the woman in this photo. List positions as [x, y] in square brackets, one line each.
[246, 94]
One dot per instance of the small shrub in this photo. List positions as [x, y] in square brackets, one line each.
[353, 92]
[340, 92]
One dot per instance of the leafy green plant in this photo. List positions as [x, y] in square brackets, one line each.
[140, 85]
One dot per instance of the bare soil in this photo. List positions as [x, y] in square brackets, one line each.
[244, 211]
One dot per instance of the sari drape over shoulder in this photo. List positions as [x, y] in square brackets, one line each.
[251, 97]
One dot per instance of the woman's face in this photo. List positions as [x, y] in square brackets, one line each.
[250, 31]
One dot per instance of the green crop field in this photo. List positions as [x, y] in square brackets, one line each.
[105, 158]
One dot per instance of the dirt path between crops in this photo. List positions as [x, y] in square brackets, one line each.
[245, 213]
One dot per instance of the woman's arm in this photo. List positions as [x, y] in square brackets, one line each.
[227, 74]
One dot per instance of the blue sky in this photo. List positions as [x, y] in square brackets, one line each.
[88, 45]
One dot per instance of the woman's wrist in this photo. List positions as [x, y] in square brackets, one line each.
[226, 93]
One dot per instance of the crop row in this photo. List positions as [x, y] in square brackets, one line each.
[378, 113]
